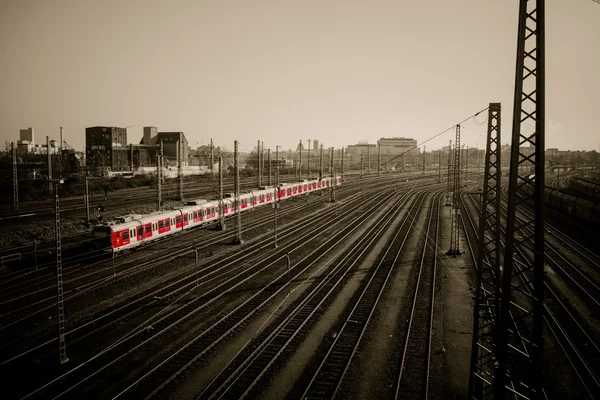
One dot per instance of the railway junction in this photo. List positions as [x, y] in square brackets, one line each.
[340, 282]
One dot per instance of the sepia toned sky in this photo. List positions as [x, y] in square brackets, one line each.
[280, 71]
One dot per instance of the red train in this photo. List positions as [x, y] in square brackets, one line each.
[135, 230]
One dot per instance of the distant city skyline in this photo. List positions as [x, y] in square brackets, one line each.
[332, 71]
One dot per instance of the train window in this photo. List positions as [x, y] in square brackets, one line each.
[167, 223]
[184, 217]
[195, 214]
[160, 225]
[178, 219]
[118, 234]
[148, 229]
[126, 235]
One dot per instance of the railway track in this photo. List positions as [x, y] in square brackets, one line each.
[579, 348]
[62, 383]
[413, 379]
[257, 356]
[175, 253]
[326, 381]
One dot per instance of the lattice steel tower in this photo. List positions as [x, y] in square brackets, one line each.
[520, 339]
[455, 213]
[487, 292]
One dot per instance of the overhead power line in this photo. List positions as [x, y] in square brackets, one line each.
[439, 134]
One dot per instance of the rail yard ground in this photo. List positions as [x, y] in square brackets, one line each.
[369, 306]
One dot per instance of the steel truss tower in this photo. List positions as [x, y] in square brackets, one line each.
[455, 213]
[448, 203]
[487, 292]
[15, 169]
[520, 340]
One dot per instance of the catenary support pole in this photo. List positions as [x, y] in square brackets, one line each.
[238, 205]
[59, 282]
[50, 187]
[277, 195]
[342, 164]
[212, 159]
[15, 177]
[87, 201]
[424, 157]
[300, 166]
[258, 164]
[378, 160]
[308, 161]
[221, 213]
[440, 166]
[448, 200]
[269, 162]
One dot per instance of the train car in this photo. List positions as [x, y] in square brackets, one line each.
[133, 230]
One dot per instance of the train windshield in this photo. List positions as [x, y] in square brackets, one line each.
[101, 231]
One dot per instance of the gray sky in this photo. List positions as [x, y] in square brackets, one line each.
[280, 71]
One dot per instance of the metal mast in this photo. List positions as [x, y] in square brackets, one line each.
[238, 206]
[300, 163]
[180, 166]
[487, 292]
[276, 198]
[159, 176]
[269, 162]
[59, 277]
[49, 165]
[520, 340]
[321, 166]
[378, 160]
[454, 225]
[212, 159]
[221, 214]
[258, 164]
[15, 177]
[342, 172]
[448, 203]
[308, 161]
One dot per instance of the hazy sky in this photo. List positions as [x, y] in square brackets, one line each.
[281, 71]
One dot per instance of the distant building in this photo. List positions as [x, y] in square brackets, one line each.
[169, 140]
[358, 149]
[398, 145]
[315, 144]
[150, 133]
[27, 135]
[106, 150]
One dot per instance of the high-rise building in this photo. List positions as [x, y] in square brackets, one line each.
[150, 132]
[27, 134]
[315, 144]
[106, 149]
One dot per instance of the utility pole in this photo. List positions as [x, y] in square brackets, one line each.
[50, 187]
[308, 172]
[342, 163]
[448, 203]
[424, 155]
[521, 353]
[403, 159]
[15, 177]
[237, 203]
[179, 152]
[276, 199]
[368, 158]
[262, 160]
[87, 201]
[440, 166]
[378, 160]
[455, 211]
[221, 214]
[131, 157]
[59, 276]
[269, 162]
[466, 165]
[321, 165]
[300, 166]
[60, 154]
[362, 163]
[333, 178]
[212, 160]
[159, 177]
[487, 291]
[258, 164]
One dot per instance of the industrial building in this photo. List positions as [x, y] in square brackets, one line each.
[106, 149]
[397, 145]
